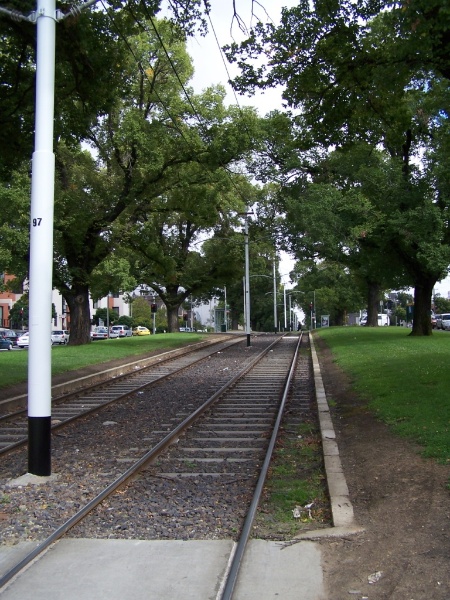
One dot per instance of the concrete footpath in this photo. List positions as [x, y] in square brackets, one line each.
[159, 570]
[75, 569]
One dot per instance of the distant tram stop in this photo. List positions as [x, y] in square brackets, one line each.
[220, 323]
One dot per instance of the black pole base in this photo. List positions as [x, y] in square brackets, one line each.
[248, 339]
[39, 446]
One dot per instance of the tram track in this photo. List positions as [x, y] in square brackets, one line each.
[73, 405]
[251, 394]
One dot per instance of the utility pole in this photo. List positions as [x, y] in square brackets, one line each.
[41, 247]
[225, 309]
[275, 315]
[247, 281]
[41, 235]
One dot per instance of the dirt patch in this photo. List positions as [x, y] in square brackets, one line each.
[399, 498]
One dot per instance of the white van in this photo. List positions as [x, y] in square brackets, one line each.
[445, 322]
[383, 319]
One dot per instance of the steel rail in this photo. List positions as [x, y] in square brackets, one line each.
[134, 368]
[111, 384]
[233, 571]
[131, 471]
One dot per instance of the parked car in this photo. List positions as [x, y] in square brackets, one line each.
[9, 334]
[438, 324]
[139, 330]
[99, 333]
[59, 337]
[122, 330]
[5, 343]
[23, 341]
[445, 322]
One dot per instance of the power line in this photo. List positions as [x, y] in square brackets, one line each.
[169, 58]
[143, 72]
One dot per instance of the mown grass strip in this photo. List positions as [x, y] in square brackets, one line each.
[14, 365]
[404, 379]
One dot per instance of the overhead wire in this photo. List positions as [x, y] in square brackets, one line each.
[200, 119]
[183, 87]
[169, 58]
[143, 71]
[228, 73]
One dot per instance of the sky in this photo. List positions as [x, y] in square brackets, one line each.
[210, 69]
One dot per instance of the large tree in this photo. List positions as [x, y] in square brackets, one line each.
[365, 71]
[167, 239]
[143, 145]
[353, 211]
[327, 288]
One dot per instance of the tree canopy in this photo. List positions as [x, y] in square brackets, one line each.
[366, 73]
[151, 160]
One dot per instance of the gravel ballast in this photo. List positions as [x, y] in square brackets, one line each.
[90, 454]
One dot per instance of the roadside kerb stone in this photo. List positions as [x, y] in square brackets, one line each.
[341, 506]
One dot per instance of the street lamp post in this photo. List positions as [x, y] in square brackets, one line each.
[247, 283]
[275, 316]
[225, 304]
[291, 292]
[246, 278]
[107, 311]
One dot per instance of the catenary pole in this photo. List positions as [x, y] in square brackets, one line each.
[247, 282]
[41, 236]
[41, 247]
[275, 316]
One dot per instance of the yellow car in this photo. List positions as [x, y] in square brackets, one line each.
[141, 331]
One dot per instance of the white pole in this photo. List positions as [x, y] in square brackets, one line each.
[247, 283]
[107, 314]
[290, 314]
[41, 247]
[284, 300]
[225, 300]
[275, 316]
[245, 300]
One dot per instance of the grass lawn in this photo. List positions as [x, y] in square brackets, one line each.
[14, 365]
[405, 380]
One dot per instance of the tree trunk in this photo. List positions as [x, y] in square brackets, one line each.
[423, 291]
[172, 318]
[80, 317]
[340, 317]
[373, 299]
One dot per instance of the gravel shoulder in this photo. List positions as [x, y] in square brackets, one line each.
[399, 498]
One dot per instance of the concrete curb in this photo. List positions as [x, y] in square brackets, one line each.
[341, 506]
